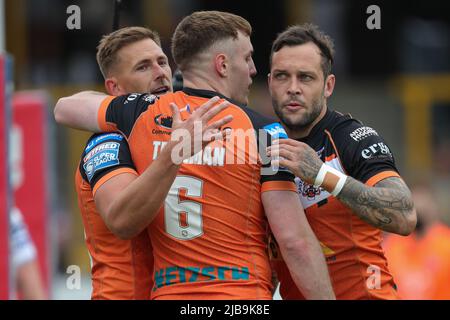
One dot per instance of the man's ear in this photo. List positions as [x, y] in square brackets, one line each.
[329, 86]
[221, 64]
[112, 86]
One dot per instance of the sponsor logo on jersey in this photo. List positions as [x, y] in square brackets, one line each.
[177, 274]
[103, 137]
[150, 98]
[99, 148]
[132, 97]
[276, 131]
[157, 131]
[164, 121]
[100, 157]
[376, 150]
[362, 133]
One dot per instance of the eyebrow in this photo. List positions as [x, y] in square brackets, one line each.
[141, 62]
[298, 71]
[149, 60]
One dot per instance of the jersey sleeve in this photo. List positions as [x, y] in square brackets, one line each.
[105, 156]
[273, 178]
[120, 113]
[364, 153]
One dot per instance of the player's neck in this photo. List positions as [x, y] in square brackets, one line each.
[198, 81]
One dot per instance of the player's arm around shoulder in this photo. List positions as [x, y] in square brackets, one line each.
[129, 203]
[79, 111]
[298, 245]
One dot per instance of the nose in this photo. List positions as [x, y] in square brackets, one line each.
[158, 72]
[253, 70]
[294, 87]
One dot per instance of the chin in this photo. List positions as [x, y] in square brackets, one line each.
[293, 121]
[245, 100]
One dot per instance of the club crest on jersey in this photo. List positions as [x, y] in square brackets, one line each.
[276, 131]
[164, 121]
[308, 190]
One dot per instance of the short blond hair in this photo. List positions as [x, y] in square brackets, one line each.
[111, 43]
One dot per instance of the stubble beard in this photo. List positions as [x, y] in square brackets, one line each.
[305, 121]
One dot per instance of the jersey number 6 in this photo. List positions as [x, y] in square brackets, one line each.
[183, 219]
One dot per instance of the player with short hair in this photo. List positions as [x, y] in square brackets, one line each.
[130, 60]
[209, 236]
[347, 179]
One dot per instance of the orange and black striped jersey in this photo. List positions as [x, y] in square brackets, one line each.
[121, 269]
[355, 258]
[210, 236]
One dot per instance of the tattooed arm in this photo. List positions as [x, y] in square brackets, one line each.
[387, 205]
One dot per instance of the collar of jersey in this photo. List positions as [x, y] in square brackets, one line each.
[208, 94]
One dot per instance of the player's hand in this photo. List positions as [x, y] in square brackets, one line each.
[194, 133]
[297, 156]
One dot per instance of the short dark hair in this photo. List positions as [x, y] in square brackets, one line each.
[305, 33]
[111, 43]
[200, 30]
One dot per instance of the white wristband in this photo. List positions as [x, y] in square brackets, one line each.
[330, 179]
[339, 185]
[321, 175]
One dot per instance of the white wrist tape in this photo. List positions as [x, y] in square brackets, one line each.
[330, 179]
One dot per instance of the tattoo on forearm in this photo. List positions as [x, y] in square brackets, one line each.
[385, 206]
[309, 167]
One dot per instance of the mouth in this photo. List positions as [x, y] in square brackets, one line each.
[161, 90]
[293, 106]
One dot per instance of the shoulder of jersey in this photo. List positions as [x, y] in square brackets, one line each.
[353, 128]
[343, 122]
[270, 126]
[147, 97]
[98, 139]
[102, 151]
[152, 99]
